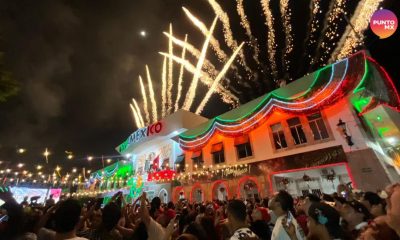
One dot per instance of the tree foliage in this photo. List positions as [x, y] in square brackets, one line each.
[8, 86]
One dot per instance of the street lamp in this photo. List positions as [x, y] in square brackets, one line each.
[21, 150]
[343, 127]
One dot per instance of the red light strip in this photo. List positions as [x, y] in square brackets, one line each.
[388, 78]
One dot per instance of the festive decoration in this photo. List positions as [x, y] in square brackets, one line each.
[306, 178]
[346, 77]
[285, 181]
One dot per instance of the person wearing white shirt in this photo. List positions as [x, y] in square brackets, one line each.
[283, 206]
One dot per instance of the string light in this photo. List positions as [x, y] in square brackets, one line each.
[242, 126]
[21, 150]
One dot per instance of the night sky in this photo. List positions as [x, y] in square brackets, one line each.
[77, 63]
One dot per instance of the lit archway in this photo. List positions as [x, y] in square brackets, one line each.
[197, 193]
[178, 193]
[217, 188]
[247, 183]
[163, 195]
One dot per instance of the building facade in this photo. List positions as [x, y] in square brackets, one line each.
[337, 126]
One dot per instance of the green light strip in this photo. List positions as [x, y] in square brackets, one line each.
[360, 85]
[269, 95]
[260, 105]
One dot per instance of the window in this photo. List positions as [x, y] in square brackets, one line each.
[180, 163]
[243, 146]
[197, 159]
[279, 136]
[317, 126]
[217, 151]
[296, 129]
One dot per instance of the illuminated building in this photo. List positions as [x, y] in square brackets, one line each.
[338, 125]
[149, 155]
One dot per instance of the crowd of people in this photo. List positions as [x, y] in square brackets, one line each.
[348, 215]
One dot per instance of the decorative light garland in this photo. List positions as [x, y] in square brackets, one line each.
[328, 94]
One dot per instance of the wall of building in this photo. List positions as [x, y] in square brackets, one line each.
[262, 142]
[363, 162]
[367, 170]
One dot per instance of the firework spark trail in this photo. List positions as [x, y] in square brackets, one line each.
[271, 36]
[164, 88]
[139, 113]
[225, 94]
[145, 104]
[152, 98]
[352, 39]
[286, 14]
[313, 26]
[136, 117]
[192, 89]
[331, 26]
[203, 29]
[170, 73]
[229, 40]
[180, 78]
[208, 66]
[246, 25]
[216, 81]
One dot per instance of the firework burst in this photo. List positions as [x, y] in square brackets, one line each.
[322, 43]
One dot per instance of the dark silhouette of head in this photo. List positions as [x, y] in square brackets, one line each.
[111, 216]
[67, 216]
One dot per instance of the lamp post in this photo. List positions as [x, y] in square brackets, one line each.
[343, 127]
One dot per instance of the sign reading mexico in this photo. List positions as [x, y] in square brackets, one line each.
[141, 134]
[383, 23]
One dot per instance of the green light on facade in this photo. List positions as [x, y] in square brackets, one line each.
[361, 103]
[382, 131]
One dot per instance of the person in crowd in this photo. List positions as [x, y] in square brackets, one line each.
[207, 224]
[259, 225]
[11, 217]
[356, 216]
[66, 219]
[50, 202]
[196, 229]
[375, 204]
[25, 201]
[323, 223]
[155, 208]
[236, 212]
[282, 205]
[339, 202]
[301, 217]
[155, 230]
[393, 207]
[201, 213]
[379, 229]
